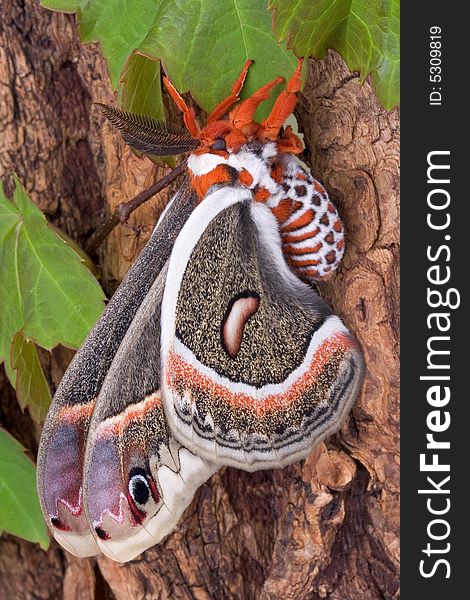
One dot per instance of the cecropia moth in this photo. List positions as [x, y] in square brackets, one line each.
[216, 349]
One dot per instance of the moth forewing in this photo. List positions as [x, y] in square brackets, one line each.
[65, 432]
[295, 369]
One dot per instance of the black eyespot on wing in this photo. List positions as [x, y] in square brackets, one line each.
[139, 487]
[219, 144]
[149, 135]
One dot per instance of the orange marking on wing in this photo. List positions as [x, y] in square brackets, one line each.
[295, 251]
[318, 186]
[340, 244]
[300, 222]
[262, 194]
[78, 412]
[133, 414]
[301, 176]
[181, 372]
[331, 208]
[139, 411]
[292, 238]
[245, 177]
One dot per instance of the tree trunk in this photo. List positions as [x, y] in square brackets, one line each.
[326, 527]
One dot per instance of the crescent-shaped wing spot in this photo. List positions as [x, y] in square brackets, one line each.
[240, 309]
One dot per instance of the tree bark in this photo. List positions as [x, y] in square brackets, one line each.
[323, 528]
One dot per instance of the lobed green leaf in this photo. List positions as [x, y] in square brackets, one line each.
[51, 297]
[365, 32]
[32, 390]
[203, 46]
[120, 26]
[20, 513]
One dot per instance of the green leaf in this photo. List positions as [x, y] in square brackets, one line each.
[86, 260]
[20, 513]
[203, 46]
[67, 6]
[32, 390]
[140, 92]
[365, 32]
[120, 26]
[51, 297]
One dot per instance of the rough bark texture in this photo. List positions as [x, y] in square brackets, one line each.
[324, 528]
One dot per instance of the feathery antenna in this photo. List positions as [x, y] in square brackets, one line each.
[149, 135]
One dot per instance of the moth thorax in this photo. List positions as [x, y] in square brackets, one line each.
[251, 166]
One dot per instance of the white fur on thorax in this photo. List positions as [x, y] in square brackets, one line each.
[258, 168]
[245, 158]
[202, 164]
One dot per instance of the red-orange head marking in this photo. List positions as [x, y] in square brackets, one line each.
[227, 132]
